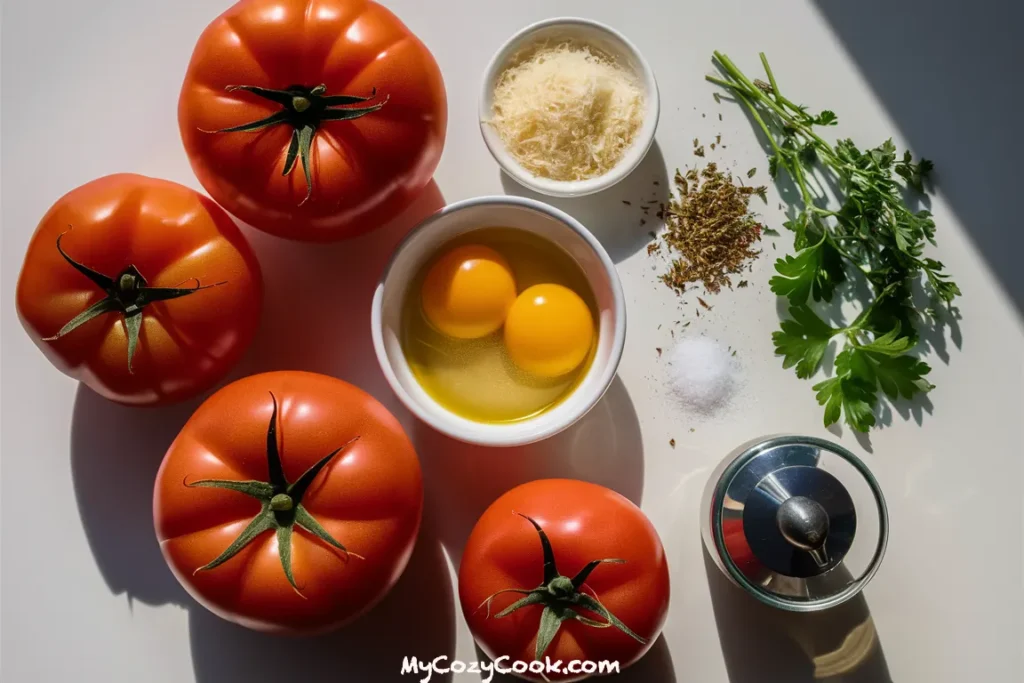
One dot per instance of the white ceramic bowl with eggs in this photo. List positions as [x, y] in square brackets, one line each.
[603, 38]
[424, 243]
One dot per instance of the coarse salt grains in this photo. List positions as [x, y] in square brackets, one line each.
[703, 374]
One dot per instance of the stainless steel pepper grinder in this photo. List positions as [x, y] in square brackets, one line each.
[782, 514]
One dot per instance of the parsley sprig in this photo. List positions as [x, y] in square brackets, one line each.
[873, 235]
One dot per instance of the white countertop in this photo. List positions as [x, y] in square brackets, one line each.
[91, 88]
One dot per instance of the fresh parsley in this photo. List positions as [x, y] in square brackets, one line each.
[872, 236]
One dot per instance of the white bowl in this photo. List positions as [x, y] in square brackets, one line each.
[519, 213]
[603, 38]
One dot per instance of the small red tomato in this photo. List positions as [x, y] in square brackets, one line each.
[142, 289]
[289, 503]
[566, 570]
[313, 121]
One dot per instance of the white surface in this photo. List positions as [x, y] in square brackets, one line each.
[91, 88]
[521, 214]
[599, 36]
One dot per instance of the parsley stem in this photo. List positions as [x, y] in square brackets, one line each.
[792, 166]
[798, 173]
[771, 78]
[760, 122]
[786, 117]
[736, 74]
[847, 255]
[854, 238]
[725, 84]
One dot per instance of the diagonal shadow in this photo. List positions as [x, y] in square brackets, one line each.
[947, 73]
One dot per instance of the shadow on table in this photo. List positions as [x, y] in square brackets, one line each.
[416, 619]
[944, 71]
[116, 451]
[462, 480]
[762, 644]
[616, 216]
[317, 301]
[655, 667]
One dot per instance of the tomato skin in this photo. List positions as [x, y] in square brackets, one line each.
[365, 171]
[584, 522]
[370, 498]
[171, 234]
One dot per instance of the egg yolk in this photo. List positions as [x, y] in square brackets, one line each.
[549, 330]
[468, 293]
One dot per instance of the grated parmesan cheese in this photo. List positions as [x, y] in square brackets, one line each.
[567, 112]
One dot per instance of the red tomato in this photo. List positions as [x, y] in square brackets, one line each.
[327, 116]
[289, 502]
[141, 288]
[622, 601]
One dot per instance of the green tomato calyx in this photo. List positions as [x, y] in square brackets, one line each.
[282, 505]
[305, 110]
[127, 293]
[562, 597]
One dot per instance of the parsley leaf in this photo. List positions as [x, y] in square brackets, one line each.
[853, 363]
[850, 397]
[795, 277]
[859, 399]
[890, 343]
[861, 371]
[902, 376]
[813, 272]
[884, 155]
[808, 154]
[851, 392]
[802, 341]
[914, 174]
[892, 308]
[826, 118]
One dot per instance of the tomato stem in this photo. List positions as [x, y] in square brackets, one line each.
[304, 109]
[127, 293]
[282, 507]
[282, 502]
[562, 598]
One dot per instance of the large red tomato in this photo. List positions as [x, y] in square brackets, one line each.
[141, 288]
[565, 570]
[290, 502]
[312, 119]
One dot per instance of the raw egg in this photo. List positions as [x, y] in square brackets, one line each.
[476, 378]
[549, 330]
[468, 292]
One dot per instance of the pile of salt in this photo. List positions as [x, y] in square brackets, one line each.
[704, 375]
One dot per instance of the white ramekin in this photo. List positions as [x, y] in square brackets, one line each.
[607, 40]
[521, 214]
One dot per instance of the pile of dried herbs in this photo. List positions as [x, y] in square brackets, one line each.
[709, 226]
